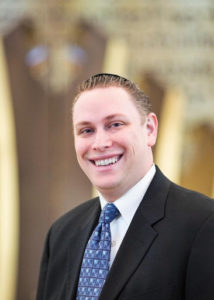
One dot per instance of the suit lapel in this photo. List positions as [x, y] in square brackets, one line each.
[139, 237]
[78, 241]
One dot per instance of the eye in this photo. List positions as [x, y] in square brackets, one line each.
[86, 131]
[116, 124]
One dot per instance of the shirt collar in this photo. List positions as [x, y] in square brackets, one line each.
[129, 202]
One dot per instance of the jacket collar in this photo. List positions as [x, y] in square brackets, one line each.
[78, 242]
[137, 240]
[139, 237]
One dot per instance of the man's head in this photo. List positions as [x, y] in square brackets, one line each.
[108, 80]
[113, 144]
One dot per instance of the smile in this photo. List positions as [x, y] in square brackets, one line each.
[107, 161]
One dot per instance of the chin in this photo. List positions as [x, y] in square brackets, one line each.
[105, 187]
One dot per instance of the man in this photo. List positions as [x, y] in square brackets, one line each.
[162, 245]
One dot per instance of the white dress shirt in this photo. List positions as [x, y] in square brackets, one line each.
[127, 206]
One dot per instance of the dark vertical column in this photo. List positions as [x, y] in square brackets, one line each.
[50, 179]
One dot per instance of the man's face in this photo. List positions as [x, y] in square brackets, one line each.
[113, 144]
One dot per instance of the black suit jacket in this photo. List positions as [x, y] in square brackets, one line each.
[167, 253]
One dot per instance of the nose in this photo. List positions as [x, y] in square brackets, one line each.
[101, 141]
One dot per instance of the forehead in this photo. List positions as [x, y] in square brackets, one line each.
[103, 102]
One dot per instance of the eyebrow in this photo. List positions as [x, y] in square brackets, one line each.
[108, 118]
[83, 123]
[114, 116]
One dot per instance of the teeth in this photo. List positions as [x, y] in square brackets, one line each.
[106, 162]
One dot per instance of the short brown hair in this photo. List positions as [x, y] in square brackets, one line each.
[105, 80]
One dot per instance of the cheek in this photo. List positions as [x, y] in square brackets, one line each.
[139, 146]
[80, 147]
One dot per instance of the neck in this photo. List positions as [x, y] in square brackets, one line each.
[114, 193]
[111, 196]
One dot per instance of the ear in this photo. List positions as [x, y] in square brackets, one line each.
[152, 129]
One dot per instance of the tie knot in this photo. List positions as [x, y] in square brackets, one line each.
[109, 213]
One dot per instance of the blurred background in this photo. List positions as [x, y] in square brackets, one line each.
[46, 49]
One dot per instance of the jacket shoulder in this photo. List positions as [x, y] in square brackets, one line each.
[75, 215]
[191, 197]
[183, 201]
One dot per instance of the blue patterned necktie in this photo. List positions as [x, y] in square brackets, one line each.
[95, 264]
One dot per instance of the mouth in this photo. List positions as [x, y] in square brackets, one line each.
[107, 161]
